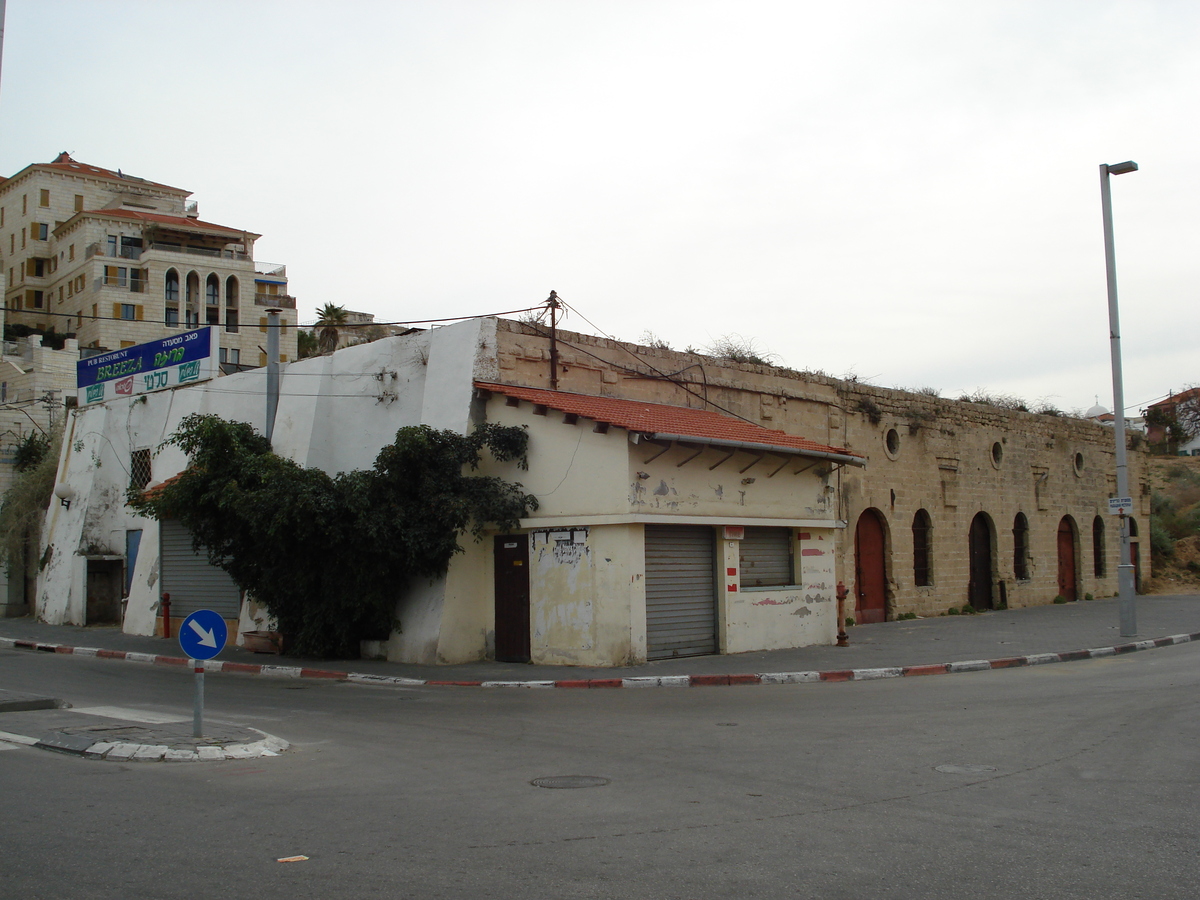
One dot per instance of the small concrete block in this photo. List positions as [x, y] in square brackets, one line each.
[180, 756]
[210, 754]
[873, 674]
[280, 671]
[1099, 652]
[86, 651]
[1040, 659]
[276, 744]
[640, 681]
[140, 657]
[789, 677]
[675, 681]
[97, 751]
[17, 738]
[123, 751]
[969, 665]
[150, 752]
[240, 751]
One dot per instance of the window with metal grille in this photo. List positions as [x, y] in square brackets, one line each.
[139, 468]
[765, 557]
[922, 531]
[1021, 547]
[1098, 546]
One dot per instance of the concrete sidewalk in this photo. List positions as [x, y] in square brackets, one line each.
[918, 643]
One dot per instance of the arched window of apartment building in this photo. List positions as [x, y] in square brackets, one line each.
[231, 291]
[870, 568]
[1098, 560]
[172, 283]
[192, 311]
[1067, 580]
[1021, 547]
[922, 531]
[981, 543]
[212, 290]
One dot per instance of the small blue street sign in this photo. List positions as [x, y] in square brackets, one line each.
[203, 634]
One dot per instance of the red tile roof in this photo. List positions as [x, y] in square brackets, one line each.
[64, 163]
[184, 223]
[672, 422]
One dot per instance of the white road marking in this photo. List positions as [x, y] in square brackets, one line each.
[130, 715]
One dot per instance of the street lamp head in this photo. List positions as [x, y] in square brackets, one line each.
[1122, 168]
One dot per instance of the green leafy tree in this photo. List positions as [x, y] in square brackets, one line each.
[306, 344]
[24, 504]
[330, 318]
[329, 556]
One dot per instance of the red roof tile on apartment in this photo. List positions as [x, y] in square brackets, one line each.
[659, 419]
[183, 222]
[64, 163]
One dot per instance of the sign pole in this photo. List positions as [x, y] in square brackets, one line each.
[202, 636]
[198, 701]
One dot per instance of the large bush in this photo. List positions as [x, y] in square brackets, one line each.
[329, 556]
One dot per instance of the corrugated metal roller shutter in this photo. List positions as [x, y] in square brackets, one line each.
[681, 614]
[765, 556]
[190, 579]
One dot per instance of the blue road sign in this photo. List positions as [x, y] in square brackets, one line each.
[203, 634]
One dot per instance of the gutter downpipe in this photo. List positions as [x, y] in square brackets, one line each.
[272, 370]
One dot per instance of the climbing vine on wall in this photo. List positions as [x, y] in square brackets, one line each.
[329, 556]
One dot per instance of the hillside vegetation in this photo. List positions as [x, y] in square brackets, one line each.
[1175, 524]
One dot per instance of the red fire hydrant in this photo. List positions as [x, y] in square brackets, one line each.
[166, 615]
[843, 639]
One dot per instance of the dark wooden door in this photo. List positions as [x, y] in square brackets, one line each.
[870, 572]
[104, 591]
[979, 590]
[512, 597]
[1066, 561]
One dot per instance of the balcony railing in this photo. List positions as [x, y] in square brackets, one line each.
[98, 249]
[135, 285]
[283, 301]
[266, 268]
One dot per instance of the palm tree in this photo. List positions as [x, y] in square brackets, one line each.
[329, 319]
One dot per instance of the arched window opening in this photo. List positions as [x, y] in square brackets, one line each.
[231, 291]
[172, 286]
[212, 290]
[922, 531]
[1021, 547]
[1098, 561]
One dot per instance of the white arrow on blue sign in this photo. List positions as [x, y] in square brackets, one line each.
[203, 634]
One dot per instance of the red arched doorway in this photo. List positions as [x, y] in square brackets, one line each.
[870, 569]
[1067, 582]
[979, 589]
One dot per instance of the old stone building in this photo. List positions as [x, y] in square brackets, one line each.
[960, 503]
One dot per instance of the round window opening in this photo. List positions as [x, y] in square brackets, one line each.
[1078, 463]
[892, 442]
[997, 454]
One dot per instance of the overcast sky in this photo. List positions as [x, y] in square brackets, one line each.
[905, 191]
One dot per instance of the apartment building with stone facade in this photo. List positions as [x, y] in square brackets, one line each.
[116, 260]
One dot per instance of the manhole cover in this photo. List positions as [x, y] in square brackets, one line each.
[969, 769]
[569, 781]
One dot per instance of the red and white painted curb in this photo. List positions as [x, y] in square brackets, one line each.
[972, 665]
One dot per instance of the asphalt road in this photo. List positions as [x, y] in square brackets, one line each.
[1067, 781]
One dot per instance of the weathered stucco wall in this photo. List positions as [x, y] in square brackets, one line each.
[334, 413]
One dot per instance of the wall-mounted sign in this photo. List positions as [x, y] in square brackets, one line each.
[183, 359]
[735, 532]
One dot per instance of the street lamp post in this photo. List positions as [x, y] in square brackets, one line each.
[1125, 574]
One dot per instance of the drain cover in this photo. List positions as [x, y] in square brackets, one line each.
[970, 769]
[569, 781]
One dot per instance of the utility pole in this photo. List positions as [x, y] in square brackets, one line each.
[552, 305]
[272, 369]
